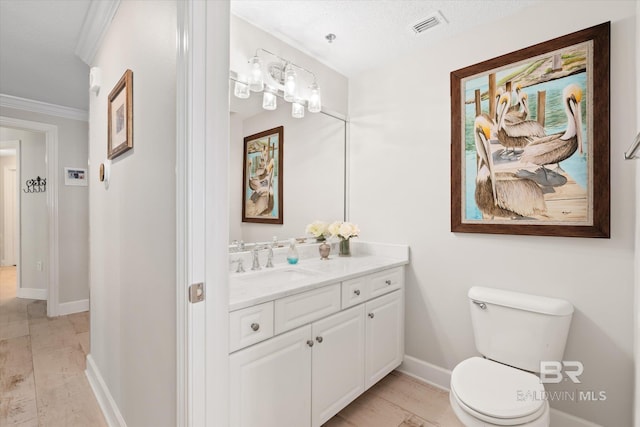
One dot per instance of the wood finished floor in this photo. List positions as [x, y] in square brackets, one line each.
[42, 381]
[42, 363]
[398, 400]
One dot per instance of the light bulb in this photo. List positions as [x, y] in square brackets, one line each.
[289, 84]
[256, 81]
[241, 88]
[297, 109]
[269, 101]
[315, 101]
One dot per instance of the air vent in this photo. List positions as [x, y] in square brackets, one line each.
[429, 22]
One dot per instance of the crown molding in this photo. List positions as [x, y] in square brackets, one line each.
[95, 26]
[9, 101]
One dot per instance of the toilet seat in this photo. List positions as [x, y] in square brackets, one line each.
[496, 393]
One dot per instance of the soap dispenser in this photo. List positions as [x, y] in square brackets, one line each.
[292, 254]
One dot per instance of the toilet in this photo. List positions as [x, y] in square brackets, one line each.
[514, 332]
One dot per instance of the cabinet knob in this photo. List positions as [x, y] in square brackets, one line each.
[371, 315]
[310, 343]
[319, 339]
[388, 282]
[357, 292]
[255, 326]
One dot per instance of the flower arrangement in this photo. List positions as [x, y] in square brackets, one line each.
[343, 230]
[317, 229]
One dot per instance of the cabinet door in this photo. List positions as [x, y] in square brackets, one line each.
[271, 382]
[337, 363]
[384, 336]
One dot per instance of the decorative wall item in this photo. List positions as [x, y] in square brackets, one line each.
[530, 140]
[120, 133]
[262, 177]
[75, 176]
[36, 185]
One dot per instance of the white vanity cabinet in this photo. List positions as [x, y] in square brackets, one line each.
[344, 342]
[271, 382]
[337, 371]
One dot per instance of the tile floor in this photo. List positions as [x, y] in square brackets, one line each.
[42, 363]
[42, 381]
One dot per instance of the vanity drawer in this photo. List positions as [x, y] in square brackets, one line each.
[250, 325]
[385, 281]
[355, 291]
[306, 307]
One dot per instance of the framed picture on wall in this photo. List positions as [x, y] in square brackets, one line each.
[120, 117]
[530, 140]
[262, 177]
[75, 176]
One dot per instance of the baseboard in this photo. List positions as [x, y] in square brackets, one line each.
[71, 307]
[31, 293]
[441, 378]
[425, 371]
[109, 407]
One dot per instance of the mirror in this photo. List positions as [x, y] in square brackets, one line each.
[313, 167]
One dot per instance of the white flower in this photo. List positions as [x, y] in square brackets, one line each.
[343, 230]
[316, 228]
[334, 228]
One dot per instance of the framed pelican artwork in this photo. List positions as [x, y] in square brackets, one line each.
[530, 140]
[262, 177]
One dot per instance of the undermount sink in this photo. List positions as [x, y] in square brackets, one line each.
[285, 275]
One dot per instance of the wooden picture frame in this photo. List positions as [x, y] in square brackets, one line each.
[262, 177]
[502, 153]
[120, 117]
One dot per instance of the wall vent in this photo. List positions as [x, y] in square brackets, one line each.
[429, 22]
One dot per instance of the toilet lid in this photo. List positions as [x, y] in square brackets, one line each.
[497, 390]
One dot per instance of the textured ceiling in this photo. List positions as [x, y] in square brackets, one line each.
[368, 32]
[38, 37]
[37, 43]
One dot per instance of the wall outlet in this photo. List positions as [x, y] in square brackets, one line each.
[39, 265]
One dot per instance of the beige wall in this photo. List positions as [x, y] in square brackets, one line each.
[596, 275]
[133, 223]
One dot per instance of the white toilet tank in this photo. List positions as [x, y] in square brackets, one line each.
[519, 329]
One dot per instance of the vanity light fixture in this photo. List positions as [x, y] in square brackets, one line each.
[241, 88]
[297, 109]
[285, 75]
[256, 80]
[269, 99]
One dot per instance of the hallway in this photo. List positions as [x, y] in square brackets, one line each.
[42, 363]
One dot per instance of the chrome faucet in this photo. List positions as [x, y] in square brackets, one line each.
[270, 257]
[256, 260]
[240, 268]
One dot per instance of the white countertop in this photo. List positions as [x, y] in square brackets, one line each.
[268, 284]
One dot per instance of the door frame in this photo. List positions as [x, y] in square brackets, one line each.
[51, 160]
[202, 224]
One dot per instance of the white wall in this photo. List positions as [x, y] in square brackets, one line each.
[73, 206]
[34, 232]
[8, 162]
[133, 223]
[406, 134]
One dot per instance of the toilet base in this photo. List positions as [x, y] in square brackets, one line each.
[470, 421]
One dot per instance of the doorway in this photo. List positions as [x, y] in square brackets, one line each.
[10, 213]
[43, 268]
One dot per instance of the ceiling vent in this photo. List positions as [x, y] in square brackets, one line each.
[429, 22]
